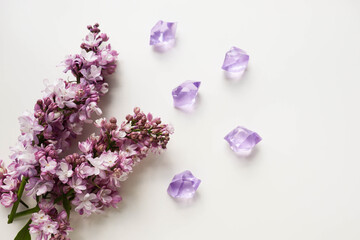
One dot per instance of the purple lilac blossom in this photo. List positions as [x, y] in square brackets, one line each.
[48, 223]
[57, 119]
[89, 180]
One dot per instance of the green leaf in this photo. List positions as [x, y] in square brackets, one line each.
[24, 233]
[58, 199]
[67, 206]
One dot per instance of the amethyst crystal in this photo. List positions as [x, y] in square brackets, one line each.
[242, 140]
[236, 61]
[185, 95]
[163, 35]
[183, 185]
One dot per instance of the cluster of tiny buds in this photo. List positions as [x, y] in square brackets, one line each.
[43, 105]
[94, 29]
[48, 151]
[100, 147]
[147, 129]
[111, 125]
[75, 159]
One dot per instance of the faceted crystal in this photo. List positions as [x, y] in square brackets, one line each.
[185, 95]
[163, 34]
[183, 185]
[242, 140]
[236, 61]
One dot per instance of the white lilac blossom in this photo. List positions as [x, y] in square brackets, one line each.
[48, 223]
[85, 203]
[48, 165]
[29, 126]
[98, 164]
[77, 184]
[9, 183]
[38, 186]
[64, 171]
[93, 73]
[84, 170]
[109, 159]
[89, 56]
[87, 181]
[7, 199]
[3, 169]
[85, 146]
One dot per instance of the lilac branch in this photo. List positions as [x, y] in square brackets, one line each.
[16, 204]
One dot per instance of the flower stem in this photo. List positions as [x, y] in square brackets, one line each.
[27, 212]
[23, 203]
[19, 195]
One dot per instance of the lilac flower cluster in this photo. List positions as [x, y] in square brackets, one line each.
[108, 158]
[88, 180]
[65, 107]
[49, 223]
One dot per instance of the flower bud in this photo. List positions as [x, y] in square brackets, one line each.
[129, 117]
[68, 159]
[48, 101]
[113, 120]
[108, 125]
[137, 110]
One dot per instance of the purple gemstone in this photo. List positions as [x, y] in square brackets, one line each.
[236, 60]
[242, 140]
[185, 95]
[183, 185]
[163, 34]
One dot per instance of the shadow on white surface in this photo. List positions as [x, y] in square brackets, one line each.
[162, 48]
[152, 164]
[245, 158]
[187, 202]
[114, 81]
[235, 78]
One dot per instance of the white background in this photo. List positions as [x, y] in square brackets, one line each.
[300, 93]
